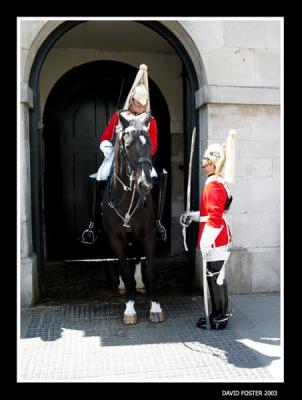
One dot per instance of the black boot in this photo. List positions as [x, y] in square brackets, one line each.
[219, 299]
[158, 203]
[215, 323]
[90, 235]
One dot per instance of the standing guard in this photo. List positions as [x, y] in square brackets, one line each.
[136, 107]
[214, 235]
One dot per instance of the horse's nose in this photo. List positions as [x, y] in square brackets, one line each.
[144, 187]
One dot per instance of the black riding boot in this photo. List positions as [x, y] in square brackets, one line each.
[90, 235]
[219, 298]
[160, 231]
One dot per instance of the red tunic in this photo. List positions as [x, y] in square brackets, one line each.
[110, 130]
[212, 204]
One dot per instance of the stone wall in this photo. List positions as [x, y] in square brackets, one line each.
[254, 217]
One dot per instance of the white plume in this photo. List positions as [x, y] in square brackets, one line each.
[229, 171]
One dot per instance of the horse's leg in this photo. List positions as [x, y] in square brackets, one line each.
[156, 312]
[121, 287]
[140, 287]
[118, 245]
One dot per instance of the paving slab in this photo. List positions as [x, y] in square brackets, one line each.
[89, 342]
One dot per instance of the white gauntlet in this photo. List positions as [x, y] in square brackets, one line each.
[106, 147]
[188, 216]
[194, 215]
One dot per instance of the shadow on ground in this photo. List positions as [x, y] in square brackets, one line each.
[103, 320]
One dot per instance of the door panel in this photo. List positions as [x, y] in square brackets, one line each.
[80, 157]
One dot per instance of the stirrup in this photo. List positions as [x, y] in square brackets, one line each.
[91, 235]
[160, 231]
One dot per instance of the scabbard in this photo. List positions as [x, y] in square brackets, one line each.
[205, 291]
[162, 193]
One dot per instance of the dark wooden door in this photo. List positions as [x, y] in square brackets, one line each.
[84, 119]
[77, 112]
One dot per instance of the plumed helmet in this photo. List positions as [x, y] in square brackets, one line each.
[140, 93]
[140, 89]
[216, 154]
[224, 155]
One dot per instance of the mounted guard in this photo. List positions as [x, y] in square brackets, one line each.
[128, 207]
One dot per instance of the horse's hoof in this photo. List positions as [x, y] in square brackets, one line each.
[157, 317]
[141, 290]
[121, 291]
[130, 319]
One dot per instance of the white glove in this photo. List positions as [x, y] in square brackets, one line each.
[208, 237]
[188, 216]
[106, 147]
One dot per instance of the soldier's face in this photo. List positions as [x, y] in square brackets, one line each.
[207, 166]
[137, 107]
[205, 162]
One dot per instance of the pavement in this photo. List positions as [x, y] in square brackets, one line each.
[87, 342]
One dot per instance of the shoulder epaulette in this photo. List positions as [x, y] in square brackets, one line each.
[221, 180]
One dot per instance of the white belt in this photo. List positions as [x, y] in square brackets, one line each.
[204, 218]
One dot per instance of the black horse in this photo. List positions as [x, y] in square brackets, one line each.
[128, 207]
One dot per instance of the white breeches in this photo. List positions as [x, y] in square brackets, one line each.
[104, 170]
[218, 253]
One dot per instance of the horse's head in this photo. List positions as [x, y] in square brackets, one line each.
[136, 151]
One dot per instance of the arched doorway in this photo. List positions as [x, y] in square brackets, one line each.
[190, 85]
[76, 113]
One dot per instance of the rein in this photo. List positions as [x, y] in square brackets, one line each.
[130, 172]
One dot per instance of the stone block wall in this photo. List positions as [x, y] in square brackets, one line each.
[254, 217]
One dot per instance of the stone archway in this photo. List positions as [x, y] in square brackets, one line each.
[42, 48]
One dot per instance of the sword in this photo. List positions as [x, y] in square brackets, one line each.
[119, 97]
[184, 226]
[205, 291]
